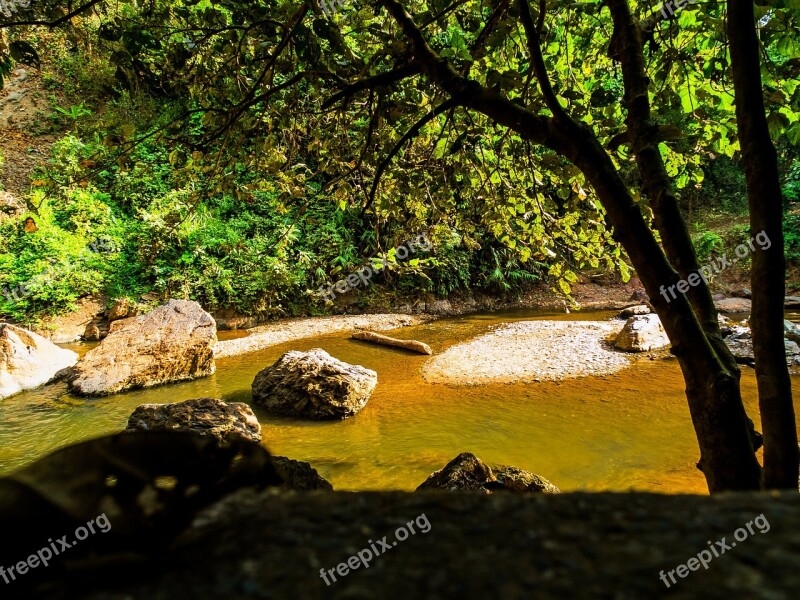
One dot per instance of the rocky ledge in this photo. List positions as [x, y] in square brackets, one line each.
[549, 546]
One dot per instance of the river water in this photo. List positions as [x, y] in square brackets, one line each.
[630, 430]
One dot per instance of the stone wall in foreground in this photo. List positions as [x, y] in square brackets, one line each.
[499, 546]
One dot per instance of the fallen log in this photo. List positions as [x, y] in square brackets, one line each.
[383, 340]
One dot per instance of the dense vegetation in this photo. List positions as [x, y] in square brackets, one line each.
[210, 149]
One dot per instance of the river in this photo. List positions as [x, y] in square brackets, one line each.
[629, 430]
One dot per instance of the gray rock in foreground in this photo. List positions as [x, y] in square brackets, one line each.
[173, 342]
[313, 385]
[220, 420]
[541, 546]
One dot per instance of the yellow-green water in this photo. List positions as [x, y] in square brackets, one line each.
[617, 432]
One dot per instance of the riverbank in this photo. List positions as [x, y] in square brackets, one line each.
[288, 330]
[380, 309]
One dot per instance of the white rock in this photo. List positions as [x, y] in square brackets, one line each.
[28, 360]
[641, 334]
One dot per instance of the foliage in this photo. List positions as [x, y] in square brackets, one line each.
[243, 171]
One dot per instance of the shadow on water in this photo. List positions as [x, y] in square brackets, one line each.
[629, 430]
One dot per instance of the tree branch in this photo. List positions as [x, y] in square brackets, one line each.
[411, 133]
[58, 21]
[382, 79]
[643, 135]
[537, 60]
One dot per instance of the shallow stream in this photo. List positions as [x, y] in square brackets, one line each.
[630, 430]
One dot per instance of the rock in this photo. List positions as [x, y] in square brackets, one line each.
[723, 320]
[10, 206]
[718, 297]
[632, 311]
[439, 307]
[69, 328]
[641, 334]
[28, 360]
[467, 472]
[577, 545]
[740, 343]
[172, 343]
[122, 309]
[313, 385]
[120, 324]
[223, 421]
[639, 296]
[791, 331]
[791, 302]
[737, 332]
[92, 332]
[299, 476]
[733, 305]
[742, 293]
[517, 480]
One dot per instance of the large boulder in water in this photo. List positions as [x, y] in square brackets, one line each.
[466, 472]
[225, 423]
[174, 342]
[212, 417]
[641, 334]
[28, 360]
[313, 385]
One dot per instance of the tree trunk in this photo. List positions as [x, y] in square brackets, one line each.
[769, 268]
[723, 430]
[712, 388]
[643, 134]
[385, 340]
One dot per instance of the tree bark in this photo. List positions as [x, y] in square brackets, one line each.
[769, 268]
[643, 135]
